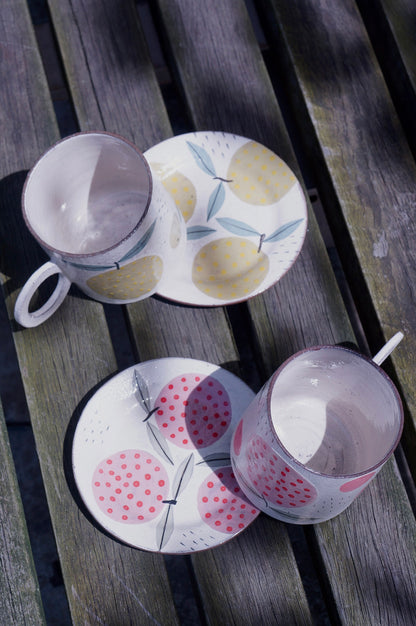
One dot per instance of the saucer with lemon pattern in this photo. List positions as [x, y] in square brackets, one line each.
[245, 214]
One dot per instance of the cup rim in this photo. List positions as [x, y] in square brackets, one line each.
[78, 255]
[373, 468]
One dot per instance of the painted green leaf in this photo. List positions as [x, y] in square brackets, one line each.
[183, 476]
[165, 527]
[202, 158]
[140, 244]
[216, 200]
[197, 232]
[284, 231]
[158, 442]
[237, 227]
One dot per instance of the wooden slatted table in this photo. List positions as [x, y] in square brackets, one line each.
[344, 131]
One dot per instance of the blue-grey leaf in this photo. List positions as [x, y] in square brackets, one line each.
[159, 442]
[218, 459]
[197, 232]
[284, 231]
[165, 527]
[237, 227]
[183, 475]
[91, 268]
[216, 200]
[140, 244]
[202, 158]
[141, 391]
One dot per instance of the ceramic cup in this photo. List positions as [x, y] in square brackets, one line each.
[106, 223]
[315, 435]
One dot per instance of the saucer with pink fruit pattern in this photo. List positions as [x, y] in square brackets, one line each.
[151, 456]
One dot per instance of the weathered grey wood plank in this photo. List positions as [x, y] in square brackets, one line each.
[20, 599]
[391, 25]
[305, 307]
[333, 98]
[163, 329]
[256, 585]
[216, 76]
[377, 543]
[62, 362]
[239, 81]
[111, 78]
[364, 167]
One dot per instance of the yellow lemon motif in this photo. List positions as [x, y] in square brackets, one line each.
[229, 268]
[258, 176]
[175, 231]
[129, 282]
[180, 188]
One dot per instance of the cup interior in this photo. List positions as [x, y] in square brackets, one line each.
[87, 193]
[335, 411]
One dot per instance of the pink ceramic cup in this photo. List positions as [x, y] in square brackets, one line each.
[107, 224]
[315, 435]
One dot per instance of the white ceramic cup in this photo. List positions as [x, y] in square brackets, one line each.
[315, 435]
[106, 223]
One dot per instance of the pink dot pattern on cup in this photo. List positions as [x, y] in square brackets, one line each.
[222, 505]
[355, 483]
[130, 486]
[193, 411]
[238, 438]
[274, 479]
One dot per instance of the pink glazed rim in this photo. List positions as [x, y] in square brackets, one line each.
[55, 145]
[388, 380]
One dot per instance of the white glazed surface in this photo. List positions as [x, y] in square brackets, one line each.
[125, 414]
[196, 169]
[316, 434]
[107, 225]
[87, 193]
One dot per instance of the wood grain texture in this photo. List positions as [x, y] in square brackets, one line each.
[258, 593]
[391, 25]
[163, 329]
[375, 531]
[240, 78]
[367, 555]
[61, 363]
[333, 111]
[304, 308]
[364, 167]
[20, 600]
[111, 78]
[216, 59]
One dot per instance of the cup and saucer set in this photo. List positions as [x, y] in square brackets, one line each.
[177, 455]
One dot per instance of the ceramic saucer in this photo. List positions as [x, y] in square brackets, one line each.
[245, 213]
[151, 456]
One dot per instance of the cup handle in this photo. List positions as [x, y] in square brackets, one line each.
[34, 318]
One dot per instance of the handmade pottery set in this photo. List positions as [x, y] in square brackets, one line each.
[178, 455]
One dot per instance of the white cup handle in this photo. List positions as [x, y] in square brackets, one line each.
[34, 318]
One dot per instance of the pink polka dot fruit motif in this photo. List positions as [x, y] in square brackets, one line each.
[279, 484]
[193, 411]
[269, 478]
[281, 488]
[221, 503]
[132, 486]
